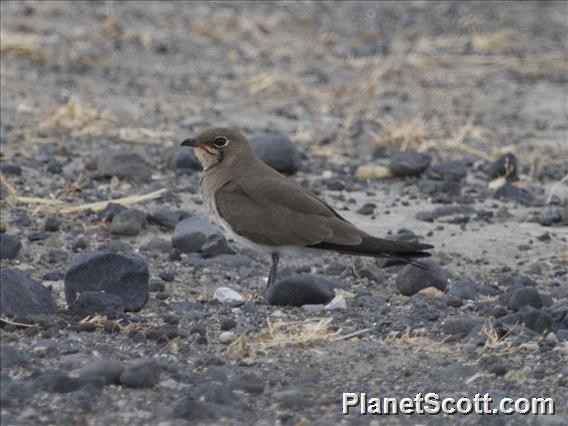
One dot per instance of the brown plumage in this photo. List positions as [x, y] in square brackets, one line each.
[271, 213]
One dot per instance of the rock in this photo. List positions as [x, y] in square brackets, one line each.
[182, 158]
[165, 218]
[514, 193]
[518, 297]
[559, 313]
[11, 169]
[108, 371]
[562, 334]
[367, 209]
[52, 224]
[91, 302]
[79, 244]
[278, 151]
[463, 289]
[338, 303]
[124, 165]
[59, 381]
[119, 274]
[450, 171]
[141, 374]
[431, 187]
[250, 383]
[549, 217]
[215, 246]
[191, 410]
[12, 357]
[53, 276]
[229, 296]
[226, 337]
[228, 324]
[192, 233]
[461, 326]
[9, 246]
[507, 166]
[411, 280]
[157, 244]
[300, 289]
[408, 163]
[110, 211]
[536, 319]
[22, 296]
[128, 222]
[430, 216]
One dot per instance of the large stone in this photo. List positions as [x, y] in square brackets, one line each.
[300, 289]
[411, 279]
[9, 246]
[128, 222]
[22, 296]
[124, 165]
[516, 298]
[120, 274]
[228, 296]
[278, 151]
[141, 374]
[408, 163]
[191, 234]
[91, 302]
[107, 371]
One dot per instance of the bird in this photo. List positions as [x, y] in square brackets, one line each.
[271, 213]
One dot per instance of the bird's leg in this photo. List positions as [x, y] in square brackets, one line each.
[273, 269]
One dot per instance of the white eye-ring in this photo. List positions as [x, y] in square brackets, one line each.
[220, 142]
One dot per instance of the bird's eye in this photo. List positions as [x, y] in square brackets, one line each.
[220, 142]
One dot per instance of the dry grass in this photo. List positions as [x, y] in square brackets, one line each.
[143, 135]
[78, 119]
[284, 334]
[22, 45]
[417, 341]
[406, 133]
[495, 42]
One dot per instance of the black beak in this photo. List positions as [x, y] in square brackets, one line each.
[189, 142]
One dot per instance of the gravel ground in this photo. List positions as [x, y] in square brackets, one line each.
[439, 122]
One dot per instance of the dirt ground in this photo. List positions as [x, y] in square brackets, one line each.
[460, 81]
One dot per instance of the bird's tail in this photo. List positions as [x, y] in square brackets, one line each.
[397, 251]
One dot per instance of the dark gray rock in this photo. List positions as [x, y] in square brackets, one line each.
[124, 165]
[192, 410]
[431, 187]
[60, 382]
[464, 289]
[461, 326]
[22, 296]
[192, 233]
[91, 302]
[278, 151]
[438, 212]
[518, 297]
[9, 246]
[157, 244]
[110, 211]
[514, 193]
[108, 371]
[182, 158]
[12, 357]
[300, 289]
[367, 209]
[411, 280]
[450, 171]
[536, 320]
[52, 224]
[128, 222]
[507, 165]
[11, 169]
[559, 313]
[215, 246]
[249, 383]
[165, 218]
[408, 163]
[562, 334]
[141, 374]
[120, 274]
[550, 217]
[53, 276]
[228, 324]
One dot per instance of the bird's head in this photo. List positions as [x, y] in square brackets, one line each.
[219, 144]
